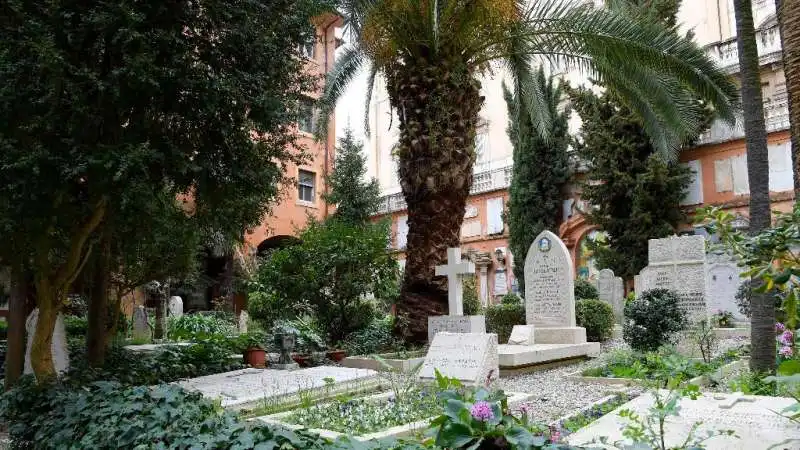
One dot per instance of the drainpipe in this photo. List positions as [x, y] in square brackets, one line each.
[327, 137]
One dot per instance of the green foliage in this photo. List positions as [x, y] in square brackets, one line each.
[250, 340]
[585, 289]
[472, 304]
[511, 299]
[105, 414]
[540, 169]
[329, 274]
[76, 326]
[501, 319]
[722, 319]
[770, 256]
[578, 421]
[377, 337]
[702, 335]
[356, 200]
[636, 194]
[750, 383]
[472, 417]
[308, 336]
[597, 317]
[198, 327]
[653, 320]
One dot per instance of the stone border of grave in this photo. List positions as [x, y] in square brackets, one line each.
[701, 380]
[558, 423]
[730, 333]
[514, 398]
[368, 362]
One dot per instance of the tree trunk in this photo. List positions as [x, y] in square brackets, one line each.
[42, 348]
[438, 105]
[762, 336]
[789, 14]
[98, 305]
[17, 314]
[113, 317]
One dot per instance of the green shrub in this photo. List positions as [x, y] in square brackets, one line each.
[308, 336]
[76, 326]
[377, 337]
[197, 327]
[108, 415]
[585, 289]
[472, 304]
[653, 320]
[511, 299]
[596, 316]
[501, 319]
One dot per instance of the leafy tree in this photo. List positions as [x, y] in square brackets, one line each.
[635, 190]
[98, 97]
[431, 55]
[762, 308]
[540, 171]
[355, 198]
[329, 274]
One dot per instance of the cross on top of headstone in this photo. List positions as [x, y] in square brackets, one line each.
[453, 270]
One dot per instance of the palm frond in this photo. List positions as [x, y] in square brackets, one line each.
[371, 74]
[341, 74]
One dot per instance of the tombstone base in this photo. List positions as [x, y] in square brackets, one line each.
[561, 335]
[522, 335]
[455, 324]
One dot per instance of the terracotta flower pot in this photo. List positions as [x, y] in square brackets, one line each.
[256, 357]
[302, 360]
[335, 355]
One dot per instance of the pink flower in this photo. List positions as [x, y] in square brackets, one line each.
[787, 338]
[482, 411]
[779, 327]
[555, 437]
[785, 351]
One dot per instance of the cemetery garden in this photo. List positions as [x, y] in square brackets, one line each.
[138, 139]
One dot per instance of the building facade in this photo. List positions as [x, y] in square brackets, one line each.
[718, 160]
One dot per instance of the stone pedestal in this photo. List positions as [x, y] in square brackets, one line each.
[455, 324]
[522, 335]
[561, 335]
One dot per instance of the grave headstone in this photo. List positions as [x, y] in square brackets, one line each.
[753, 419]
[58, 347]
[619, 300]
[605, 286]
[678, 263]
[469, 357]
[500, 282]
[549, 292]
[522, 335]
[723, 278]
[244, 320]
[455, 321]
[175, 307]
[141, 327]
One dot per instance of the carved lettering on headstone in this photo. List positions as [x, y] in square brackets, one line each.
[549, 281]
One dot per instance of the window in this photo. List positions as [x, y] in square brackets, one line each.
[305, 186]
[308, 49]
[307, 119]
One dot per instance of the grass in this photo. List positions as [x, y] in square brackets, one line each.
[657, 365]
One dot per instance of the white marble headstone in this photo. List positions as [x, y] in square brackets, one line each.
[549, 283]
[605, 285]
[522, 335]
[753, 419]
[141, 326]
[58, 347]
[469, 357]
[175, 307]
[723, 278]
[678, 263]
[244, 320]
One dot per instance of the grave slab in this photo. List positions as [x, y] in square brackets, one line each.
[752, 418]
[469, 357]
[518, 356]
[561, 335]
[455, 324]
[247, 388]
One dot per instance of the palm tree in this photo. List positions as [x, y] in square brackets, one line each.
[431, 54]
[789, 14]
[762, 336]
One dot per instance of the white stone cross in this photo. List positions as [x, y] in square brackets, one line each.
[453, 270]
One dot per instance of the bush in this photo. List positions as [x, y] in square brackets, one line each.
[472, 304]
[108, 415]
[743, 301]
[377, 337]
[501, 319]
[585, 289]
[76, 326]
[653, 320]
[511, 299]
[197, 327]
[597, 317]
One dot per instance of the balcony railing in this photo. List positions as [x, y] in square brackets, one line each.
[776, 118]
[485, 181]
[726, 53]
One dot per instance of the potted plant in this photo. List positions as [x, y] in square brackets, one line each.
[307, 341]
[336, 354]
[252, 345]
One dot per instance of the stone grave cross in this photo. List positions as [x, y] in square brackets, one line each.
[454, 270]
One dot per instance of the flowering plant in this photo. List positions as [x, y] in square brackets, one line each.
[480, 418]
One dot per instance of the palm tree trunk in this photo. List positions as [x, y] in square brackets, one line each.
[762, 336]
[438, 105]
[789, 14]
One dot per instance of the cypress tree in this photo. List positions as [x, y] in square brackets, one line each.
[356, 199]
[540, 171]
